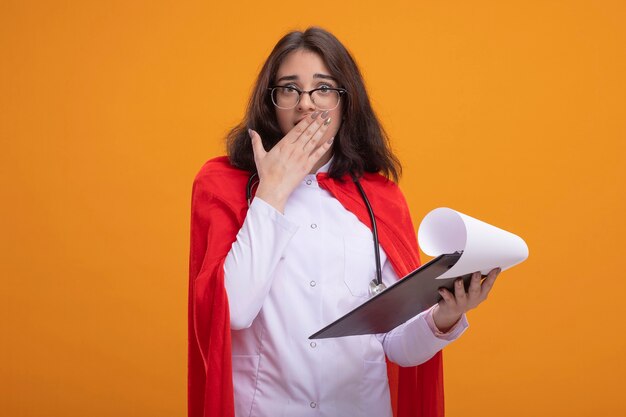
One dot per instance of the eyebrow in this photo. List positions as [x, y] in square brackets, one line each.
[316, 75]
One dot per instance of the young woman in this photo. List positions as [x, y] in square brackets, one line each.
[281, 246]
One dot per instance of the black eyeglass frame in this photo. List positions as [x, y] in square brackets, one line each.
[341, 92]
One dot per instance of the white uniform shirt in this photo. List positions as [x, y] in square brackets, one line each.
[288, 276]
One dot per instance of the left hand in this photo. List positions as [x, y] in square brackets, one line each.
[450, 309]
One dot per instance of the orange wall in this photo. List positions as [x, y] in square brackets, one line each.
[510, 111]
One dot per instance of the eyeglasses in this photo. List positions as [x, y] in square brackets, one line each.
[324, 98]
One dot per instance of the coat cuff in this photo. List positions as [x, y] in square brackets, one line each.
[455, 331]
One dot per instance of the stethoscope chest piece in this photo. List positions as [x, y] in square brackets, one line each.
[376, 288]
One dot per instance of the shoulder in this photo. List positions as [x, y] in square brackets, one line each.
[381, 186]
[377, 188]
[386, 194]
[218, 178]
[219, 174]
[381, 192]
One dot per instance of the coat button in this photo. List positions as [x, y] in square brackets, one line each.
[312, 283]
[313, 404]
[308, 182]
[313, 226]
[313, 344]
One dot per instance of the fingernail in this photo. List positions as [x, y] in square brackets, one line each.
[325, 114]
[315, 114]
[327, 122]
[250, 133]
[330, 141]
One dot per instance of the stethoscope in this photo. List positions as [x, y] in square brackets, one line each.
[376, 285]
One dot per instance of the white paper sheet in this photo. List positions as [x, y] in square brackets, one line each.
[484, 246]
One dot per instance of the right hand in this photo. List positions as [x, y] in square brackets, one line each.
[290, 160]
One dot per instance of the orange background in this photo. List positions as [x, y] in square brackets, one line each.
[509, 111]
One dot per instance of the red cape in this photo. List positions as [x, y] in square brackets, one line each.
[218, 209]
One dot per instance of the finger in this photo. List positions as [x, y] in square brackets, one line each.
[310, 130]
[459, 292]
[320, 151]
[300, 128]
[488, 282]
[447, 296]
[311, 144]
[257, 145]
[474, 287]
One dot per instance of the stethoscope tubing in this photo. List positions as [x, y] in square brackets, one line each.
[379, 272]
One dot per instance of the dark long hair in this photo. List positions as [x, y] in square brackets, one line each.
[361, 144]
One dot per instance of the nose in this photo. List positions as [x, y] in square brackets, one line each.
[305, 102]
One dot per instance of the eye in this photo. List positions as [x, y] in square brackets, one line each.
[290, 89]
[324, 89]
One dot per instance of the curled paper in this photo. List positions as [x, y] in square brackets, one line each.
[483, 246]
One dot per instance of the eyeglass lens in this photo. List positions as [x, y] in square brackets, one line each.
[287, 98]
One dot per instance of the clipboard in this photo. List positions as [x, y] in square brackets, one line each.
[403, 300]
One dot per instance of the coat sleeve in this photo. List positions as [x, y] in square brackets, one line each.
[214, 226]
[250, 264]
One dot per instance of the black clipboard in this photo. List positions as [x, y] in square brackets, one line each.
[402, 301]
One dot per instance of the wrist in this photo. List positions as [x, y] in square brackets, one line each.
[272, 196]
[445, 321]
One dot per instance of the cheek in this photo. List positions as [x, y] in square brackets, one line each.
[285, 120]
[336, 114]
